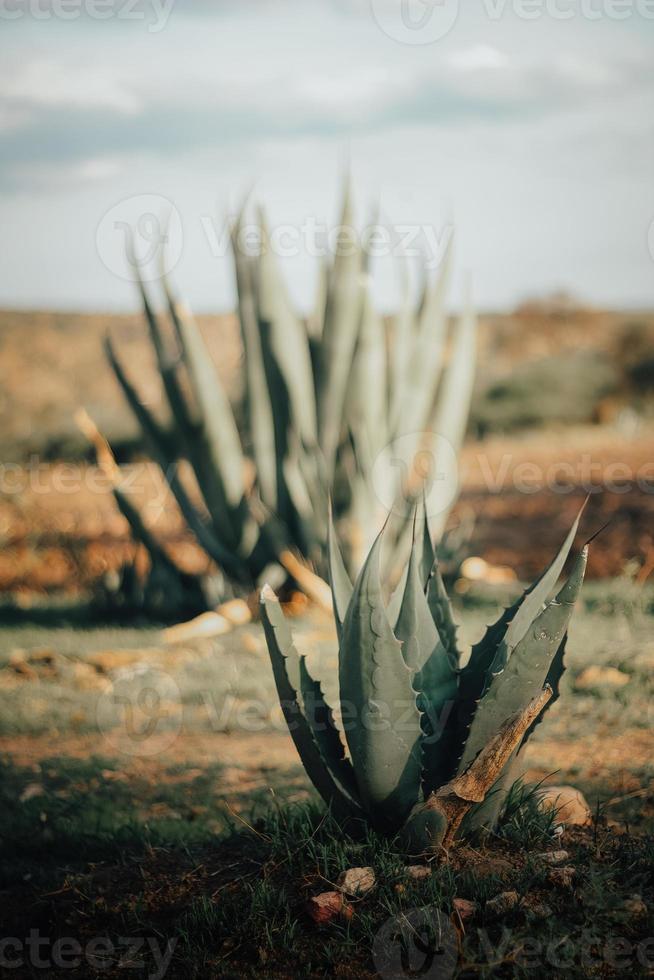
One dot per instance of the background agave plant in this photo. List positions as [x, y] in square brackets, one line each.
[322, 399]
[430, 740]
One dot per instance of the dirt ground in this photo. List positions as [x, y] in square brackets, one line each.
[126, 816]
[62, 532]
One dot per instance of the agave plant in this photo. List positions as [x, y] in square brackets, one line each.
[322, 398]
[430, 740]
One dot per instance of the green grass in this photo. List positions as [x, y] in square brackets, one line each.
[233, 902]
[561, 389]
[201, 855]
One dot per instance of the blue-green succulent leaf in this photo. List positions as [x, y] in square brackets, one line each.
[526, 671]
[338, 577]
[319, 714]
[492, 650]
[435, 677]
[288, 679]
[379, 703]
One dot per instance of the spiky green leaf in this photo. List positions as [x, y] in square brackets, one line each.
[340, 331]
[528, 667]
[286, 670]
[319, 714]
[338, 577]
[289, 343]
[257, 396]
[161, 451]
[507, 631]
[435, 678]
[383, 723]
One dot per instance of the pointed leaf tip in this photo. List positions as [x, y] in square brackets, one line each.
[267, 594]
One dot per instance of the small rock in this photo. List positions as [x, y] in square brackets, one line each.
[553, 857]
[356, 882]
[595, 676]
[635, 907]
[569, 804]
[562, 877]
[418, 871]
[30, 791]
[464, 909]
[502, 903]
[327, 906]
[19, 665]
[44, 655]
[534, 908]
[236, 611]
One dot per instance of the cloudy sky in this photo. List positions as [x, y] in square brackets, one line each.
[533, 137]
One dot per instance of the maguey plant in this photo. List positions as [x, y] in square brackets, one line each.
[323, 397]
[432, 742]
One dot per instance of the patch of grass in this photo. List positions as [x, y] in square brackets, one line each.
[560, 389]
[234, 905]
[523, 822]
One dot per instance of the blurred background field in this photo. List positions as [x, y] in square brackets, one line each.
[556, 384]
[564, 404]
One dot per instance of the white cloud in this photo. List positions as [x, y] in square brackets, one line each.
[50, 83]
[526, 129]
[478, 57]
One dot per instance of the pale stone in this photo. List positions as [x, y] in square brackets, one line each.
[418, 871]
[594, 677]
[568, 803]
[356, 882]
[554, 857]
[502, 903]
